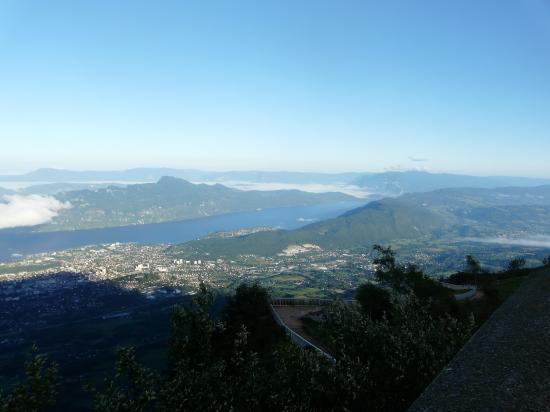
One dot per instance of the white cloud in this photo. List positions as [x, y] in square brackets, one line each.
[30, 210]
[541, 241]
[312, 187]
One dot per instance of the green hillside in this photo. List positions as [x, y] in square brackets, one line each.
[449, 213]
[171, 199]
[380, 221]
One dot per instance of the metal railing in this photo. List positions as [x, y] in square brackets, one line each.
[467, 295]
[296, 338]
[300, 302]
[305, 301]
[470, 290]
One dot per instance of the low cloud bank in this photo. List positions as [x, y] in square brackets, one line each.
[17, 210]
[542, 241]
[347, 189]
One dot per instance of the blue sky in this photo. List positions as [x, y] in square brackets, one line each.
[463, 86]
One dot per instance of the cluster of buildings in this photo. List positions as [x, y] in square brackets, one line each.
[147, 268]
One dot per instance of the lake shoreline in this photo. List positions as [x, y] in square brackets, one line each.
[16, 243]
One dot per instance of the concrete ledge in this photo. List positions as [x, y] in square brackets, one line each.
[505, 366]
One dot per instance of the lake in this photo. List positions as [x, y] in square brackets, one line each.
[23, 241]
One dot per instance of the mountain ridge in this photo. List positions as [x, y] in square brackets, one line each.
[171, 199]
[153, 174]
[397, 183]
[481, 213]
[387, 183]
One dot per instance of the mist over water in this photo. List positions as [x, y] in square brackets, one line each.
[347, 189]
[541, 241]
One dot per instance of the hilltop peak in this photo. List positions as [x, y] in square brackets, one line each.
[173, 181]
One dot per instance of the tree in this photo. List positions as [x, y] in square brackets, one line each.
[381, 362]
[385, 364]
[134, 388]
[472, 265]
[375, 301]
[516, 264]
[300, 380]
[38, 392]
[249, 307]
[387, 269]
[193, 330]
[228, 380]
[406, 280]
[385, 259]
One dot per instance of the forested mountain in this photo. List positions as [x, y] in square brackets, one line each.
[444, 213]
[55, 188]
[171, 199]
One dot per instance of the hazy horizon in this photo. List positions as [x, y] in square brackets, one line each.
[7, 172]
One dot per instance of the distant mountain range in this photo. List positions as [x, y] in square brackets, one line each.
[386, 183]
[446, 213]
[154, 174]
[397, 183]
[55, 188]
[171, 199]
